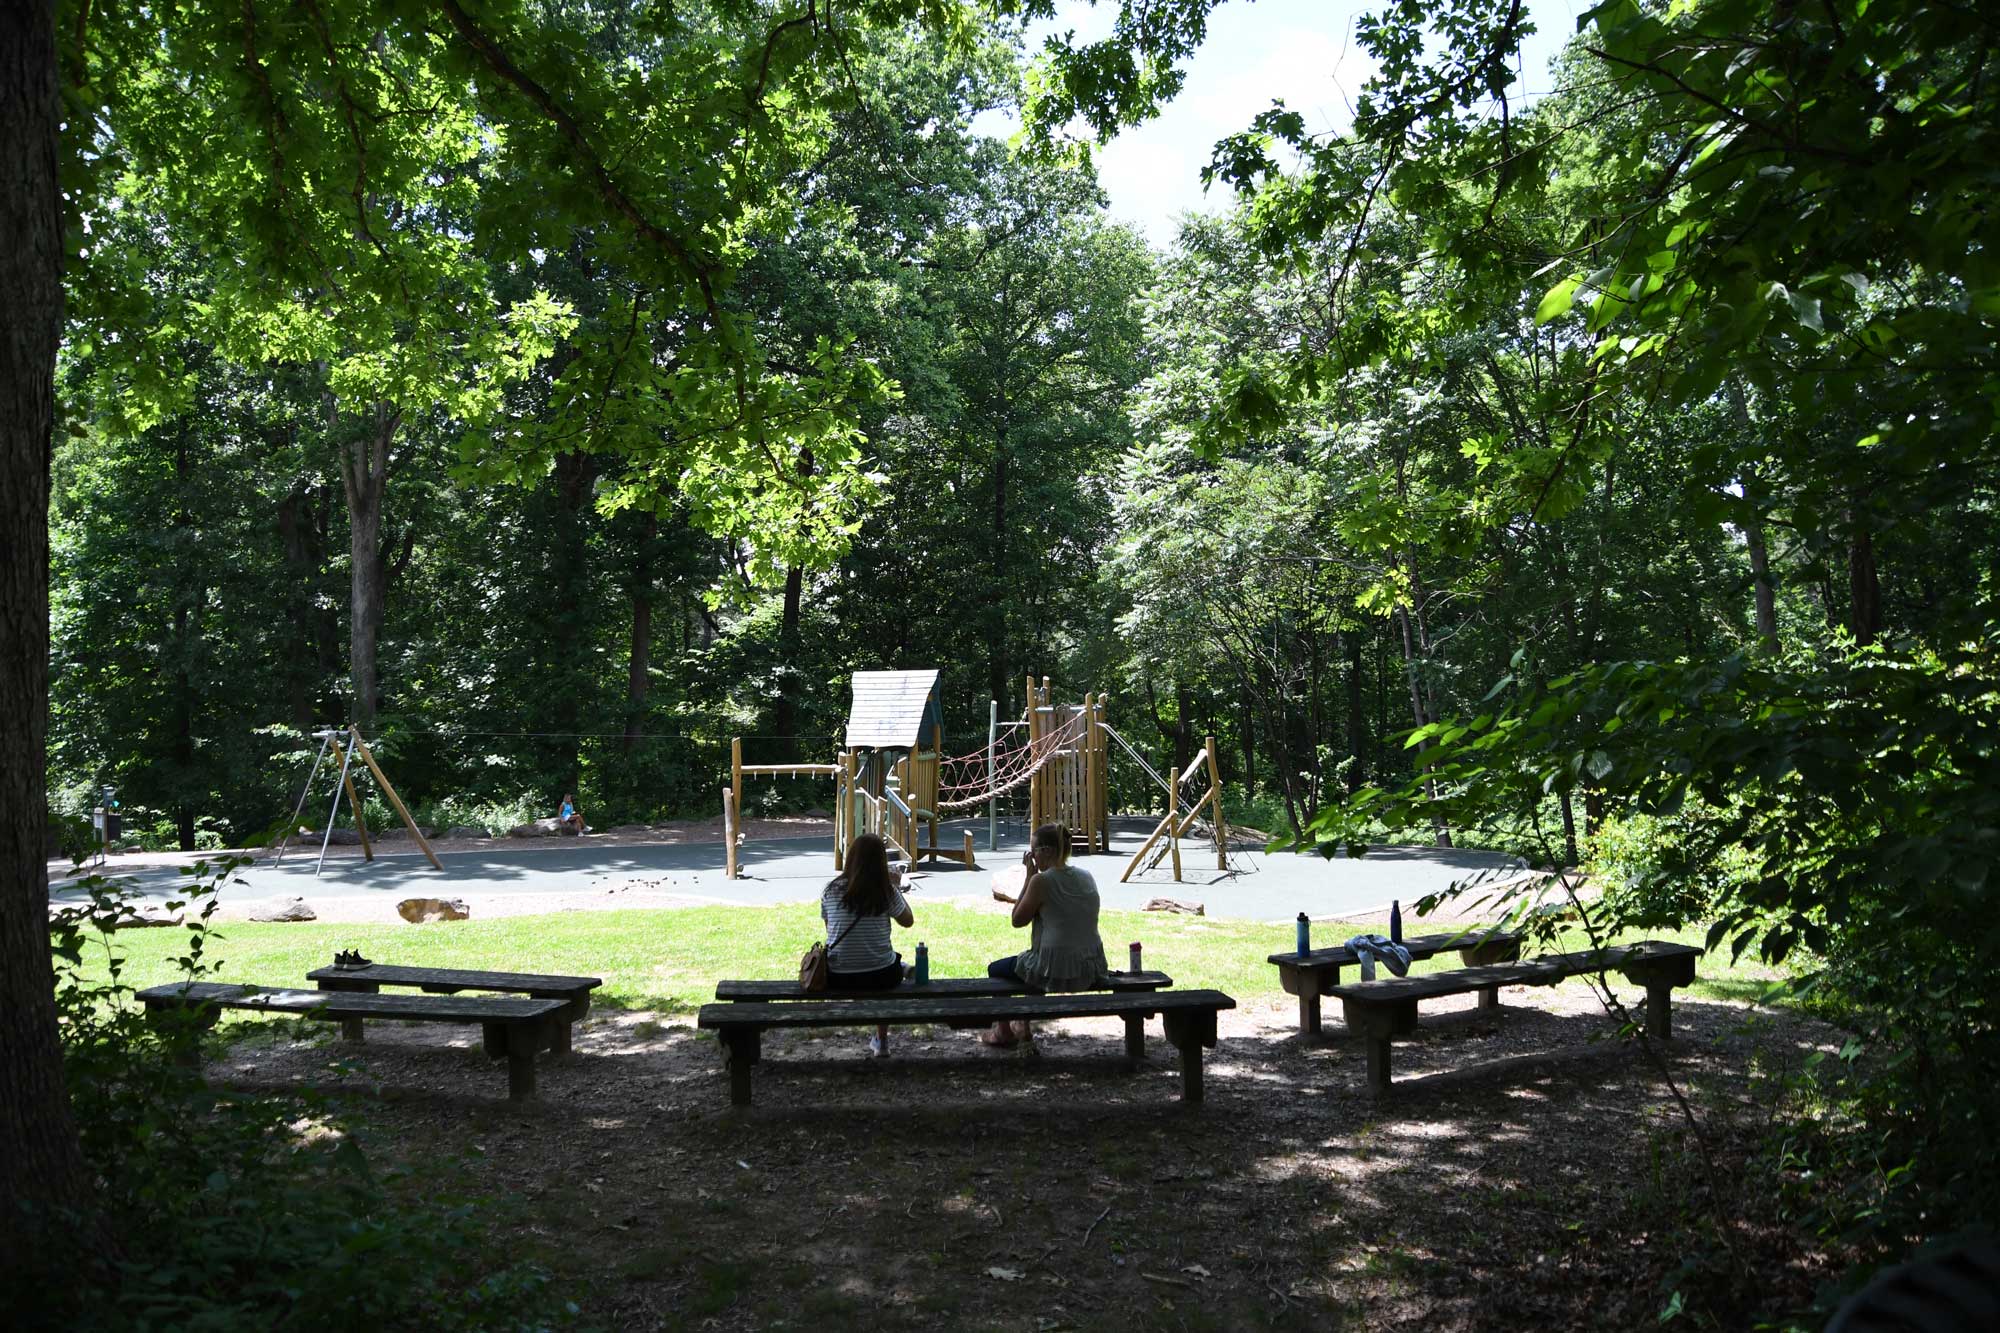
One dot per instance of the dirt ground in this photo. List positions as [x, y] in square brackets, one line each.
[1528, 1171]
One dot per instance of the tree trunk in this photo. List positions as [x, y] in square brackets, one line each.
[638, 674]
[301, 572]
[41, 1167]
[785, 718]
[1569, 831]
[1864, 591]
[1249, 739]
[1357, 719]
[364, 477]
[183, 731]
[1419, 713]
[997, 666]
[1760, 556]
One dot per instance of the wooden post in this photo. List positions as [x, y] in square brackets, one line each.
[728, 833]
[1173, 825]
[361, 747]
[736, 771]
[1221, 825]
[1034, 782]
[847, 801]
[346, 780]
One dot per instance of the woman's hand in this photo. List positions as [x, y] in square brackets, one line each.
[1000, 897]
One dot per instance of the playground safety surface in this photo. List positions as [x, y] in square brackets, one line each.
[674, 866]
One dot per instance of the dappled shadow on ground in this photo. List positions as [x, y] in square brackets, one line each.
[1528, 1170]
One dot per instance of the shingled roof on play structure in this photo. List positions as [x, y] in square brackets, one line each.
[895, 710]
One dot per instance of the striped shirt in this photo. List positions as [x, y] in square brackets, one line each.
[866, 947]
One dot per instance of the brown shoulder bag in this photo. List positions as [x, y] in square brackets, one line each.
[815, 968]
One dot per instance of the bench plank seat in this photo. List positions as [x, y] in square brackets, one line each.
[1383, 1009]
[513, 1029]
[1311, 975]
[1188, 1016]
[573, 991]
[946, 987]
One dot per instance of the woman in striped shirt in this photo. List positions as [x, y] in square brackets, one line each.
[858, 907]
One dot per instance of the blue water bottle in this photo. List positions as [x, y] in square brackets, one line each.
[1305, 934]
[923, 974]
[1396, 920]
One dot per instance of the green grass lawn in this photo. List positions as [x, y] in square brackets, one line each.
[669, 960]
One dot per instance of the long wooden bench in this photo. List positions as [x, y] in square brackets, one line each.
[1384, 1009]
[1311, 975]
[574, 992]
[953, 988]
[514, 1029]
[1188, 1016]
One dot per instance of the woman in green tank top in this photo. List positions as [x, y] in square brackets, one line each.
[1059, 905]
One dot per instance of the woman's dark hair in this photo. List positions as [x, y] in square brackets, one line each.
[866, 871]
[1055, 837]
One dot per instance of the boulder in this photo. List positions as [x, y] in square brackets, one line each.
[1175, 905]
[395, 831]
[537, 828]
[142, 917]
[433, 909]
[633, 830]
[460, 832]
[285, 909]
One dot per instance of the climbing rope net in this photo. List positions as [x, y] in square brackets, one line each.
[984, 774]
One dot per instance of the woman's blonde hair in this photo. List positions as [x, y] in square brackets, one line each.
[1055, 837]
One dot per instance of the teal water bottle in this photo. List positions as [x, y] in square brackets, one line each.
[923, 974]
[1305, 934]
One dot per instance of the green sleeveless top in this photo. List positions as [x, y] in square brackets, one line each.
[1065, 952]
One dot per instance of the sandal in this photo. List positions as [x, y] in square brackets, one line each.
[1000, 1035]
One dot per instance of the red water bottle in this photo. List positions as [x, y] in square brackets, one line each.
[1135, 957]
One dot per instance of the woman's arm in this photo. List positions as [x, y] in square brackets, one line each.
[1031, 901]
[899, 909]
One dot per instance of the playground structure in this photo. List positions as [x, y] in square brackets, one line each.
[891, 777]
[330, 738]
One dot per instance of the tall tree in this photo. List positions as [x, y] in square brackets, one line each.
[43, 1168]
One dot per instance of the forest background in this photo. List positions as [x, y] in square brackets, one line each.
[1609, 478]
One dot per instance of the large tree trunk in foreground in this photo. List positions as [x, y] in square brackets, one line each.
[41, 1165]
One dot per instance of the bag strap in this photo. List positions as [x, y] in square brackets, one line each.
[843, 935]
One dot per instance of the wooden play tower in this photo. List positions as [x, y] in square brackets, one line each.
[891, 776]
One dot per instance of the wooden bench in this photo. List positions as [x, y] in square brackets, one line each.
[1311, 975]
[514, 1029]
[1382, 1010]
[574, 992]
[955, 988]
[1188, 1016]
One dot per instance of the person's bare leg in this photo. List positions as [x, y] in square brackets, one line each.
[1000, 1034]
[1022, 1031]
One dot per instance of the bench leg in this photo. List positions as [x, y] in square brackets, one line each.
[1308, 1006]
[740, 1048]
[1489, 997]
[186, 1047]
[1191, 1073]
[1378, 1062]
[520, 1075]
[559, 1042]
[351, 1028]
[1659, 1012]
[1135, 1037]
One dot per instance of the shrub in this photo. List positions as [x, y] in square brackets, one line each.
[227, 1211]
